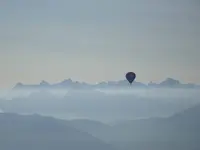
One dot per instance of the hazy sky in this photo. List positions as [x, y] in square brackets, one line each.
[96, 40]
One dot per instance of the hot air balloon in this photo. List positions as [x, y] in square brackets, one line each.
[130, 76]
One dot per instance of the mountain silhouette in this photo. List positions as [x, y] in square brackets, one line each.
[70, 84]
[44, 133]
[180, 131]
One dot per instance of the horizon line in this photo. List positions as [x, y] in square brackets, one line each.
[98, 82]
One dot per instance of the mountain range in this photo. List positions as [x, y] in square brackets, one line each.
[180, 131]
[35, 132]
[70, 84]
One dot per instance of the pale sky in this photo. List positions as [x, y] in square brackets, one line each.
[97, 40]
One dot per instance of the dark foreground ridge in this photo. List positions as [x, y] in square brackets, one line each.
[180, 131]
[44, 133]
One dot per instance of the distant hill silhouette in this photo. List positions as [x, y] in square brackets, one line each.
[69, 84]
[44, 133]
[180, 131]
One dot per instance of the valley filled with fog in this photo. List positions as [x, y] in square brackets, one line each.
[103, 118]
[106, 105]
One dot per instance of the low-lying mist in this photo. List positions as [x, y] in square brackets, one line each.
[108, 105]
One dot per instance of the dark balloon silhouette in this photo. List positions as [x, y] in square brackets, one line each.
[130, 76]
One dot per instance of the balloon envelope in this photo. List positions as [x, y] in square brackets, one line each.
[130, 76]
